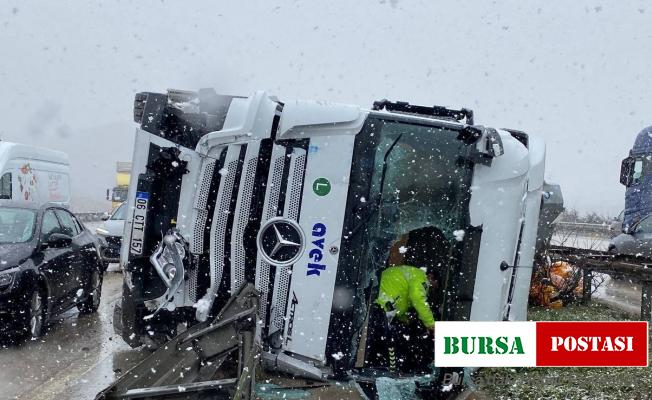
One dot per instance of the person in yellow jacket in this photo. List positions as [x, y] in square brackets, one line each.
[403, 321]
[405, 288]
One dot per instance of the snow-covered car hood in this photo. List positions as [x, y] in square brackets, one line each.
[113, 226]
[12, 255]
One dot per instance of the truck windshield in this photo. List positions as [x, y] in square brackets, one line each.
[16, 225]
[407, 204]
[412, 197]
[120, 193]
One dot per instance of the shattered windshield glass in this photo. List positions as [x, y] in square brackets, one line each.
[411, 198]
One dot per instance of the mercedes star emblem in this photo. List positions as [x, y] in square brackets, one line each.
[281, 241]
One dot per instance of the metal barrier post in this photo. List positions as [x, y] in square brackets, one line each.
[646, 301]
[587, 278]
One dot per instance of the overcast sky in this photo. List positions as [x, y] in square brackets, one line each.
[577, 73]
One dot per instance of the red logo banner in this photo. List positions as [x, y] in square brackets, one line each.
[592, 344]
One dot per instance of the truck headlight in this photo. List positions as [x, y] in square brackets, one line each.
[101, 231]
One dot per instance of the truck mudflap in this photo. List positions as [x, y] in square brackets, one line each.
[215, 359]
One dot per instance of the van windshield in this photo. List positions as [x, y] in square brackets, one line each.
[16, 225]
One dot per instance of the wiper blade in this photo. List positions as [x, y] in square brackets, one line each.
[367, 209]
[375, 202]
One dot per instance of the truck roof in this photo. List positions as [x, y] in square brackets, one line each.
[643, 142]
[9, 150]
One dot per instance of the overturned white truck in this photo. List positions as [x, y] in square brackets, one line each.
[305, 200]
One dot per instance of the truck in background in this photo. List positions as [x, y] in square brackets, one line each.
[636, 176]
[118, 194]
[31, 175]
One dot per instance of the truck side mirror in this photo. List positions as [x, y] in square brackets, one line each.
[107, 194]
[626, 169]
[494, 143]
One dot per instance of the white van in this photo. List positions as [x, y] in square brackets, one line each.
[33, 175]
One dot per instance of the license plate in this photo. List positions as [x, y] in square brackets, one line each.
[138, 225]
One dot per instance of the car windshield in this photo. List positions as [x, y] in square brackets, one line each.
[119, 213]
[16, 225]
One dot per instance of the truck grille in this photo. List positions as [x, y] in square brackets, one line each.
[197, 242]
[237, 214]
[291, 211]
[270, 211]
[221, 218]
[242, 218]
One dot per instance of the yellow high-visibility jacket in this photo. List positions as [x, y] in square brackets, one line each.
[405, 287]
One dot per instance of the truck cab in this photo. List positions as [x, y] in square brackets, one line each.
[308, 200]
[636, 176]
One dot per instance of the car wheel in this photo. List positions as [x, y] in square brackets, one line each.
[36, 314]
[92, 302]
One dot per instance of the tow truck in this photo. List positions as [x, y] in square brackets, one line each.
[285, 212]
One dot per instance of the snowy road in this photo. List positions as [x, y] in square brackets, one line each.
[74, 360]
[79, 355]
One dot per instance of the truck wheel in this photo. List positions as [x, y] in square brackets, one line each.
[92, 302]
[131, 322]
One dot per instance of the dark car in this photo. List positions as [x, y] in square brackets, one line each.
[49, 263]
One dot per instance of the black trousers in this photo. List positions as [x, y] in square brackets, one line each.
[397, 346]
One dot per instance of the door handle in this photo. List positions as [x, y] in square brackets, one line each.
[504, 266]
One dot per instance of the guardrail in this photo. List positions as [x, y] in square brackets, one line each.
[590, 261]
[90, 217]
[583, 228]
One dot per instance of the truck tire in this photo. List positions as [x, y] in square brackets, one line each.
[129, 318]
